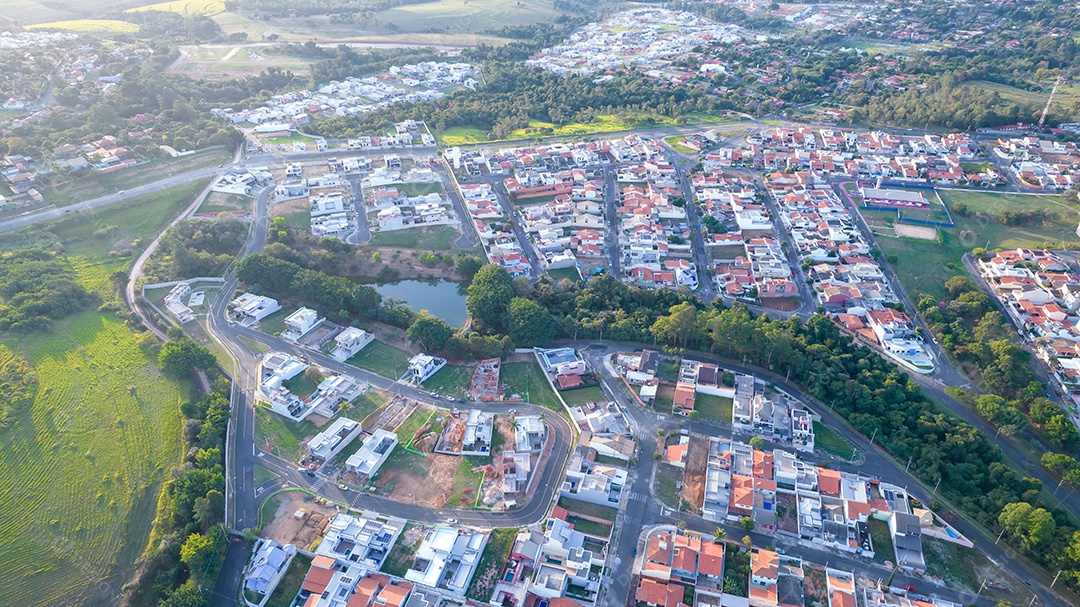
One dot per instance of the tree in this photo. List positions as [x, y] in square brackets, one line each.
[1031, 526]
[747, 541]
[757, 443]
[210, 509]
[178, 356]
[468, 265]
[489, 296]
[187, 595]
[529, 324]
[196, 552]
[430, 331]
[680, 327]
[747, 523]
[719, 534]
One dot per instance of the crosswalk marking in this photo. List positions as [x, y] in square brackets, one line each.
[318, 484]
[637, 497]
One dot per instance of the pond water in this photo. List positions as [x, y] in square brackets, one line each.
[443, 298]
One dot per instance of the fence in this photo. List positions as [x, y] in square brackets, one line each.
[901, 218]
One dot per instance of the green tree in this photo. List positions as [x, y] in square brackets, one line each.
[430, 331]
[757, 443]
[747, 523]
[489, 296]
[528, 323]
[177, 356]
[196, 552]
[1029, 525]
[187, 595]
[680, 327]
[210, 509]
[468, 265]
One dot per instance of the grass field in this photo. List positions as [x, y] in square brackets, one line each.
[290, 584]
[466, 485]
[924, 266]
[71, 188]
[492, 560]
[673, 141]
[472, 16]
[570, 274]
[184, 7]
[830, 441]
[527, 380]
[1035, 99]
[451, 380]
[383, 359]
[436, 238]
[713, 408]
[82, 466]
[89, 26]
[666, 485]
[603, 123]
[581, 396]
[589, 509]
[420, 418]
[280, 436]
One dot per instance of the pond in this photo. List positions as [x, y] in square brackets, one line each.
[443, 298]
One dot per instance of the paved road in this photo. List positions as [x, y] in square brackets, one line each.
[611, 218]
[706, 289]
[512, 216]
[179, 179]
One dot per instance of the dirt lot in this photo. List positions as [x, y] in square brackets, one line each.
[287, 529]
[697, 459]
[919, 232]
[292, 206]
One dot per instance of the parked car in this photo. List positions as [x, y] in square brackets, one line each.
[909, 588]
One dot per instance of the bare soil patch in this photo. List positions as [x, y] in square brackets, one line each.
[697, 459]
[917, 232]
[302, 532]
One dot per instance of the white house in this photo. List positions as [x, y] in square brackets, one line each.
[300, 323]
[253, 307]
[371, 456]
[529, 433]
[447, 559]
[349, 342]
[423, 366]
[267, 565]
[332, 440]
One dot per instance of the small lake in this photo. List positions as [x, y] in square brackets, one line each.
[443, 298]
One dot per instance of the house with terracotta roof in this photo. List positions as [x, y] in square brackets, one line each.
[764, 570]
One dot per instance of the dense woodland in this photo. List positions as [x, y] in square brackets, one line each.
[196, 247]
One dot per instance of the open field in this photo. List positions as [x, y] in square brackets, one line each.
[589, 509]
[832, 442]
[1035, 99]
[65, 189]
[451, 380]
[581, 396]
[89, 26]
[383, 359]
[527, 380]
[82, 465]
[713, 408]
[603, 123]
[283, 437]
[492, 560]
[38, 11]
[568, 273]
[454, 16]
[924, 266]
[673, 141]
[435, 238]
[184, 7]
[233, 61]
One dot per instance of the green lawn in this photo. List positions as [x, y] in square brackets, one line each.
[289, 585]
[451, 380]
[463, 135]
[665, 485]
[263, 475]
[383, 359]
[466, 484]
[492, 561]
[527, 380]
[280, 436]
[274, 324]
[610, 461]
[365, 404]
[674, 140]
[82, 464]
[420, 418]
[300, 220]
[881, 540]
[435, 238]
[589, 527]
[570, 274]
[713, 408]
[302, 385]
[669, 369]
[581, 396]
[420, 189]
[924, 266]
[665, 399]
[602, 123]
[830, 441]
[256, 347]
[588, 509]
